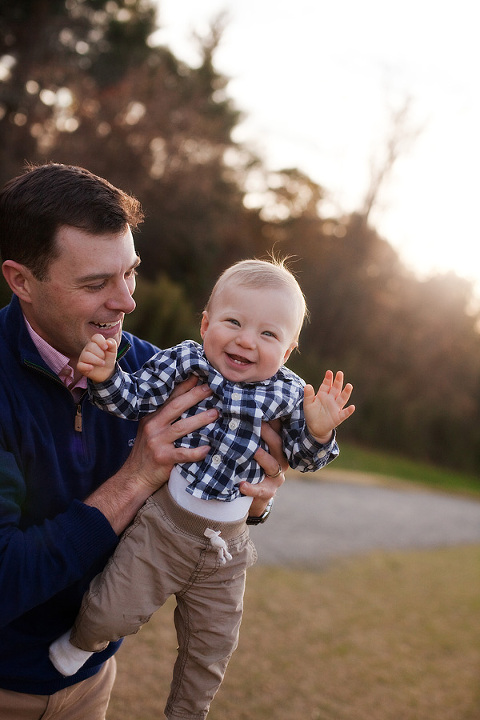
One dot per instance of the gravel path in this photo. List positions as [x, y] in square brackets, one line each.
[341, 515]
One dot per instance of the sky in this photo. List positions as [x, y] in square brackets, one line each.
[319, 83]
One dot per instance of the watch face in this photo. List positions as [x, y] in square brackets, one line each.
[263, 517]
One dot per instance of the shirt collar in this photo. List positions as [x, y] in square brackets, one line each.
[56, 361]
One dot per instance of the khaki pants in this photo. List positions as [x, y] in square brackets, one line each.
[87, 700]
[164, 553]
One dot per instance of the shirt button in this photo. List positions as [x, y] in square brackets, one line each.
[236, 396]
[216, 460]
[322, 453]
[233, 424]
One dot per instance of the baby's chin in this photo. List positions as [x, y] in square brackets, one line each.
[241, 377]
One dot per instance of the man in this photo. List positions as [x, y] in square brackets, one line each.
[71, 477]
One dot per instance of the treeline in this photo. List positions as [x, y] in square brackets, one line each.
[80, 83]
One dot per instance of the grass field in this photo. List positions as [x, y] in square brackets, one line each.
[383, 464]
[387, 636]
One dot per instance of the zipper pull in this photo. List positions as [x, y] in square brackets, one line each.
[78, 419]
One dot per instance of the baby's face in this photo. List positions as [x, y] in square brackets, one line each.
[248, 334]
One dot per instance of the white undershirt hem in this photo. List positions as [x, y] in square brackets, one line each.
[210, 509]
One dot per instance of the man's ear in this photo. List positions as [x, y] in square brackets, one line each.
[204, 324]
[19, 279]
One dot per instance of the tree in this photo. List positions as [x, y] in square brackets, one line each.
[164, 315]
[81, 83]
[91, 91]
[52, 52]
[401, 134]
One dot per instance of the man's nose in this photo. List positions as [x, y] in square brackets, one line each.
[121, 299]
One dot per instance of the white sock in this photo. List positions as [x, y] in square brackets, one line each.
[67, 658]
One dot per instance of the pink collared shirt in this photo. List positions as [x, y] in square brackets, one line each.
[59, 363]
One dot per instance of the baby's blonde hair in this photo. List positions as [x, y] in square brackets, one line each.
[260, 275]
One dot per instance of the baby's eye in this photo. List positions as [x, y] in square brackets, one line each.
[233, 321]
[269, 333]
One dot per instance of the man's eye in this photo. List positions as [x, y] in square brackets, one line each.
[96, 288]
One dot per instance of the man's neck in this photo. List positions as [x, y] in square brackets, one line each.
[61, 364]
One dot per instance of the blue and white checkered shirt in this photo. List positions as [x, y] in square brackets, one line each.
[235, 436]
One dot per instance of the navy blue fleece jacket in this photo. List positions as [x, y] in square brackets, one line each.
[51, 543]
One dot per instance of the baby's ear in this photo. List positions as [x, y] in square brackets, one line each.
[289, 351]
[204, 324]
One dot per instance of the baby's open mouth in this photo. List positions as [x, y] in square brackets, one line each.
[238, 360]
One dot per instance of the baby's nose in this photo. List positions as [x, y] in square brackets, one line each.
[245, 338]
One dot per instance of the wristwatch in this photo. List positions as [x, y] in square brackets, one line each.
[261, 518]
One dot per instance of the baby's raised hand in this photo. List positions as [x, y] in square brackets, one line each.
[97, 359]
[325, 410]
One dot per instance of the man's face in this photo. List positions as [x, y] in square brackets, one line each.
[89, 290]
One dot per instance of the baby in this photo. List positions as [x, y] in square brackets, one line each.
[191, 537]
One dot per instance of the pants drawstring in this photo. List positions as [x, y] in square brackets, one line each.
[219, 544]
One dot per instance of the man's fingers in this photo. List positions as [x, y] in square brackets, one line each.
[176, 405]
[270, 461]
[183, 387]
[185, 426]
[264, 490]
[167, 419]
[187, 455]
